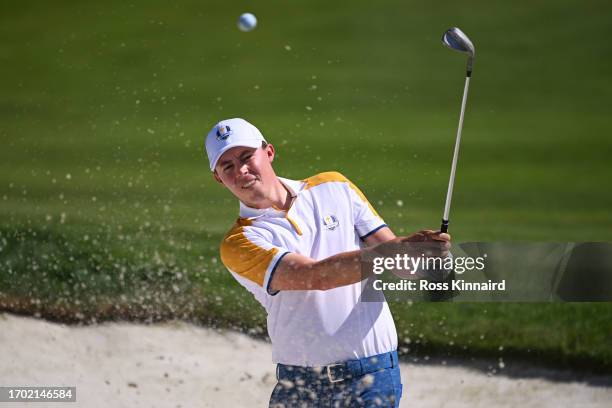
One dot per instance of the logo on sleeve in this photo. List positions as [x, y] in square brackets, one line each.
[330, 222]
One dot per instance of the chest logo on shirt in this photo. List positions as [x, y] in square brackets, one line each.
[330, 222]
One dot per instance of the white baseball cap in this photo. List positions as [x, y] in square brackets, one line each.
[231, 133]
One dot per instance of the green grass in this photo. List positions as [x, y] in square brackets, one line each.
[105, 106]
[88, 276]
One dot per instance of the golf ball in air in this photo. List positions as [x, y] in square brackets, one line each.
[247, 22]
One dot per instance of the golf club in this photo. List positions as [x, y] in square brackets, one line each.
[455, 39]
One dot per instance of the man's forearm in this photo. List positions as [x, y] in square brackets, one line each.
[301, 273]
[298, 272]
[346, 268]
[337, 270]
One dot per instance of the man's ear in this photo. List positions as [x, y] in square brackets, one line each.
[216, 176]
[270, 152]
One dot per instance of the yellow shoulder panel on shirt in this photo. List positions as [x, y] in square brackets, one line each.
[326, 177]
[244, 257]
[331, 176]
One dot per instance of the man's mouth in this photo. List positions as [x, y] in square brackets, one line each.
[249, 184]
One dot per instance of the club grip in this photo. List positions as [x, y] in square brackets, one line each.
[444, 227]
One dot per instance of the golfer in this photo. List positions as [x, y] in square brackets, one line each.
[297, 247]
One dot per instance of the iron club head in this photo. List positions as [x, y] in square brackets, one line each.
[455, 39]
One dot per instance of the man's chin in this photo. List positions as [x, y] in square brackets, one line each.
[250, 195]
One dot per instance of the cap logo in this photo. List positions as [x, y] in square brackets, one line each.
[223, 132]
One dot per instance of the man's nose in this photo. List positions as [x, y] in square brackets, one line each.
[242, 169]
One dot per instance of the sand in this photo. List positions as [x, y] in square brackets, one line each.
[181, 365]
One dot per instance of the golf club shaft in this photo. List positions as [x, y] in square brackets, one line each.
[451, 181]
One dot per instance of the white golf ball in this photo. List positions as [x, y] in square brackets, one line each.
[247, 22]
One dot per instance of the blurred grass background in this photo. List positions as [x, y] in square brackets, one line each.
[108, 210]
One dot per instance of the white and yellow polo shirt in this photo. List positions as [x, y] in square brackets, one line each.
[329, 215]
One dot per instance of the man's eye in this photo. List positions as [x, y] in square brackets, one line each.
[226, 168]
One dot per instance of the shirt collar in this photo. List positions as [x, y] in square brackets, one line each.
[293, 186]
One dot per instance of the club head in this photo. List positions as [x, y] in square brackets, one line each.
[455, 39]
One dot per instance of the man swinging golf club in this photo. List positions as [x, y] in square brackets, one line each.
[297, 246]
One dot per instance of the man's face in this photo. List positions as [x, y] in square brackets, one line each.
[247, 172]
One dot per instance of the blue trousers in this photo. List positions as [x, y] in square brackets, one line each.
[380, 388]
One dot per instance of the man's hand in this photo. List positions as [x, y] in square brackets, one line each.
[425, 242]
[413, 252]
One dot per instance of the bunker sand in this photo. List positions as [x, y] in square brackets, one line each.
[180, 365]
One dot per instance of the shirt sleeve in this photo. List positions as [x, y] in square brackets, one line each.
[366, 219]
[250, 257]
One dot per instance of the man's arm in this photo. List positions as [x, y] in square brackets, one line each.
[299, 272]
[382, 235]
